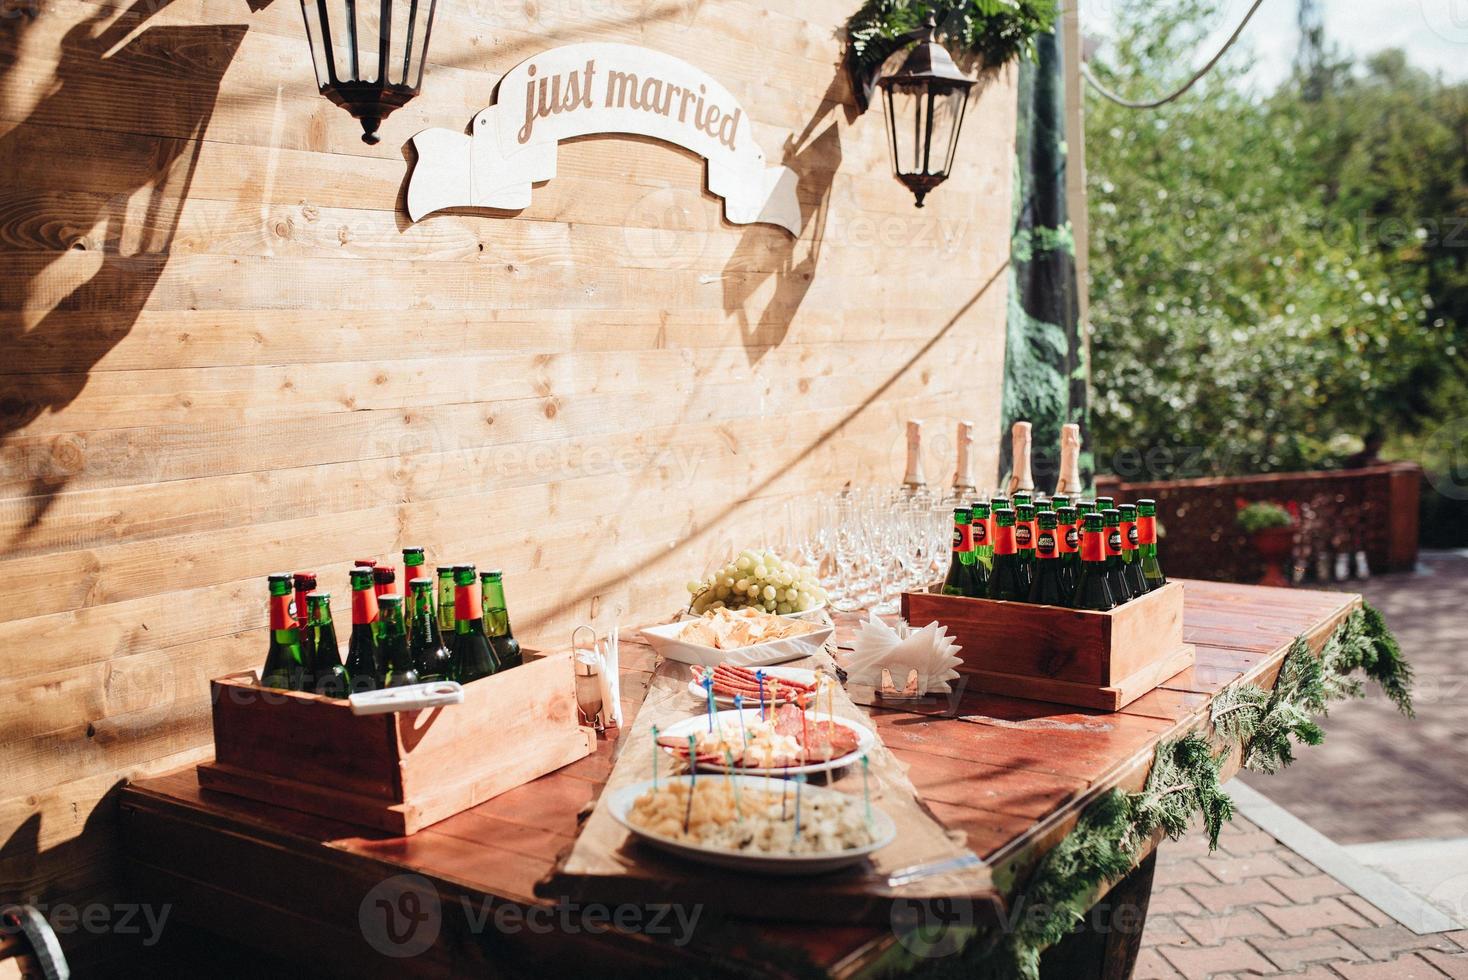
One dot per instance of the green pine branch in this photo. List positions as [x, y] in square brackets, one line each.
[994, 31]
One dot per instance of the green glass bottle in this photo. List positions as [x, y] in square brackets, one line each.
[1068, 541]
[1147, 543]
[446, 602]
[412, 568]
[1111, 521]
[398, 670]
[302, 583]
[1024, 541]
[1058, 501]
[1093, 591]
[431, 657]
[497, 619]
[474, 657]
[1021, 497]
[1131, 559]
[328, 676]
[364, 665]
[285, 667]
[1104, 503]
[960, 573]
[1049, 587]
[981, 539]
[1006, 578]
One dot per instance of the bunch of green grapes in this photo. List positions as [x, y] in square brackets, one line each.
[759, 577]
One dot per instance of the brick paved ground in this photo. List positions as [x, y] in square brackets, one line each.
[1380, 776]
[1255, 908]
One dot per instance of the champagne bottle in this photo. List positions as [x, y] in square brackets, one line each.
[1093, 590]
[328, 676]
[913, 479]
[1021, 477]
[497, 619]
[1111, 521]
[473, 655]
[1069, 480]
[963, 470]
[1147, 543]
[397, 661]
[1006, 578]
[284, 665]
[957, 581]
[364, 666]
[431, 658]
[1131, 560]
[1049, 587]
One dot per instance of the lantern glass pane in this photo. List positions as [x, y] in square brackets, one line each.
[410, 20]
[312, 14]
[947, 111]
[906, 111]
[369, 39]
[341, 28]
[422, 11]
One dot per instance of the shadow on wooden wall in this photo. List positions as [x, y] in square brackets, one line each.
[149, 101]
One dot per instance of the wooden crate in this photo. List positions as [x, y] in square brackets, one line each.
[397, 772]
[1072, 656]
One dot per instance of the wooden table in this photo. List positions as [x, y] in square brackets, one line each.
[1011, 774]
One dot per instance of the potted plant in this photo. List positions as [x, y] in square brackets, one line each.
[1271, 526]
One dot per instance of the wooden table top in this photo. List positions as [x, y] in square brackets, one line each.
[1011, 774]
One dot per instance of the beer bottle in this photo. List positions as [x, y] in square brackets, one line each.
[1147, 543]
[998, 502]
[1068, 543]
[1093, 591]
[1049, 587]
[446, 603]
[365, 563]
[431, 658]
[497, 619]
[473, 655]
[412, 568]
[1131, 561]
[1084, 507]
[364, 666]
[1111, 520]
[1058, 501]
[384, 580]
[284, 665]
[304, 583]
[959, 575]
[397, 661]
[1104, 503]
[328, 676]
[1006, 578]
[1024, 541]
[981, 538]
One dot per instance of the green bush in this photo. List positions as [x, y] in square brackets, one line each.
[1261, 516]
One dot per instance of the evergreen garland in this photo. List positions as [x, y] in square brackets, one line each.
[1184, 781]
[995, 31]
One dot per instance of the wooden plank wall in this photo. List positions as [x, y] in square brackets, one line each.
[224, 352]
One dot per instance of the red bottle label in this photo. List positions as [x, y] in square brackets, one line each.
[300, 610]
[1128, 536]
[1003, 540]
[1146, 530]
[1113, 541]
[1070, 540]
[979, 532]
[280, 613]
[364, 606]
[1092, 547]
[1045, 544]
[1024, 536]
[467, 605]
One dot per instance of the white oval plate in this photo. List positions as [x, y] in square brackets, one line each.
[797, 674]
[619, 803]
[665, 642]
[865, 739]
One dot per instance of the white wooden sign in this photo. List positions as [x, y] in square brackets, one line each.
[580, 89]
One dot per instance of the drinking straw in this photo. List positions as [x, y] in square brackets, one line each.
[708, 689]
[733, 786]
[804, 733]
[692, 781]
[865, 792]
[759, 675]
[784, 791]
[739, 707]
[655, 753]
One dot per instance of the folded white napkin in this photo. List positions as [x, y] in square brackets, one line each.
[930, 651]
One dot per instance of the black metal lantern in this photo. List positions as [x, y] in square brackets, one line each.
[924, 101]
[369, 55]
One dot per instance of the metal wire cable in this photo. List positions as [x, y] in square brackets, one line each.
[1154, 103]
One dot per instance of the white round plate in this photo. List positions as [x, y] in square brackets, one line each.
[865, 740]
[797, 674]
[620, 801]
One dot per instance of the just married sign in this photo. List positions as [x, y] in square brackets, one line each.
[581, 89]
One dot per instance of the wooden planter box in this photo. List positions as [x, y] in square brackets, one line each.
[397, 772]
[1071, 656]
